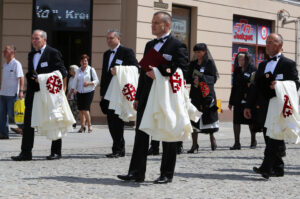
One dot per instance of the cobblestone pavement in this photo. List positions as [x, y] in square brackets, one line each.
[84, 172]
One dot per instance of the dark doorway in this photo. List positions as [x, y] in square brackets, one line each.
[72, 45]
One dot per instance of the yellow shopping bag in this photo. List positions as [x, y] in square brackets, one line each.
[19, 109]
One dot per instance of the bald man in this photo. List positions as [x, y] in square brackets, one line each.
[276, 68]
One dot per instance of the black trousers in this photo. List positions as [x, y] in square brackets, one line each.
[140, 149]
[116, 129]
[28, 132]
[155, 145]
[275, 150]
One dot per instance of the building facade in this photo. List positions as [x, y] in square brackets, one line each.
[79, 26]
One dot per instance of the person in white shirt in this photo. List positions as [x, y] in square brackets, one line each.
[11, 88]
[84, 85]
[71, 96]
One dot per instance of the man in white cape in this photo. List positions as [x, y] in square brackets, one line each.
[175, 52]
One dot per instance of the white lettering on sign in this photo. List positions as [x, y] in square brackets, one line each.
[71, 14]
[179, 26]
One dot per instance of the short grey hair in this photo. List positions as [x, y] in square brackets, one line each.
[74, 68]
[280, 38]
[43, 33]
[11, 47]
[115, 31]
[166, 17]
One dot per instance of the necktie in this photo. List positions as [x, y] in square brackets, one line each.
[273, 58]
[160, 40]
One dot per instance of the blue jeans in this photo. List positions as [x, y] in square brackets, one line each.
[6, 112]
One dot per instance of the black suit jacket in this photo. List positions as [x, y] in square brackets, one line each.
[260, 94]
[178, 51]
[50, 57]
[240, 82]
[126, 55]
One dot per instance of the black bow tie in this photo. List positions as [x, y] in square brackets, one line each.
[161, 40]
[112, 52]
[273, 58]
[37, 51]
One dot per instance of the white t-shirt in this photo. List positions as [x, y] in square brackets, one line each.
[11, 73]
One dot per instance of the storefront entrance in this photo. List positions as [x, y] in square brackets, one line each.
[72, 45]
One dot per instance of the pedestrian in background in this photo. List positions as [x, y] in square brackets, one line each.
[11, 88]
[203, 74]
[85, 82]
[243, 69]
[72, 99]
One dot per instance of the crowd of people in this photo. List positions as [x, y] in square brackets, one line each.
[251, 92]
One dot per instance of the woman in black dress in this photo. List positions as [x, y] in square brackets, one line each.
[243, 70]
[202, 76]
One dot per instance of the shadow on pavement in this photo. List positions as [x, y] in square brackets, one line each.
[227, 157]
[217, 176]
[237, 170]
[103, 181]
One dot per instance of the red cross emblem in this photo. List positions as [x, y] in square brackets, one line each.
[54, 84]
[129, 92]
[175, 81]
[204, 89]
[287, 108]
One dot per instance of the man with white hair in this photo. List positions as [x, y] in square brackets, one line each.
[11, 88]
[41, 60]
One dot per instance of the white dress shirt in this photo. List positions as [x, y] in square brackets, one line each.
[112, 56]
[85, 76]
[37, 57]
[271, 65]
[158, 46]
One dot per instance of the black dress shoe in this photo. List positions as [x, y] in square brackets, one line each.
[236, 146]
[115, 155]
[263, 174]
[131, 177]
[253, 145]
[53, 157]
[153, 151]
[22, 157]
[162, 180]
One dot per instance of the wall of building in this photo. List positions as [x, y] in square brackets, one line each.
[212, 22]
[17, 23]
[1, 30]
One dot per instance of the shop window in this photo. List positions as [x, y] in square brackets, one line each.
[250, 34]
[181, 24]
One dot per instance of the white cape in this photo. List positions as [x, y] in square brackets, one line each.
[283, 120]
[121, 92]
[51, 114]
[168, 111]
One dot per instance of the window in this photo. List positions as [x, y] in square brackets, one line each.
[250, 34]
[181, 24]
